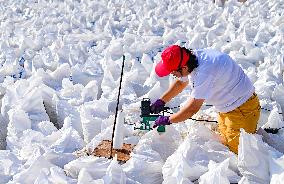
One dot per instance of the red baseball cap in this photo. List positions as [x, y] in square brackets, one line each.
[171, 58]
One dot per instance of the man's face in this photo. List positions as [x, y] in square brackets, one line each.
[182, 72]
[177, 74]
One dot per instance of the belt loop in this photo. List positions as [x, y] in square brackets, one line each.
[253, 96]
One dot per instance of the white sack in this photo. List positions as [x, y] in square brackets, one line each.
[253, 158]
[276, 168]
[95, 166]
[219, 173]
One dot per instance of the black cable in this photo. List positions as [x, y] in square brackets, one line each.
[170, 108]
[212, 106]
[116, 110]
[204, 120]
[166, 110]
[269, 110]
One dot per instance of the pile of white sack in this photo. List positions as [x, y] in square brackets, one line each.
[60, 66]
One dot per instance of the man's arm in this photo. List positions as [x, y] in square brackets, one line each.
[174, 90]
[186, 112]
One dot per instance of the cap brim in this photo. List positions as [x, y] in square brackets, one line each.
[161, 71]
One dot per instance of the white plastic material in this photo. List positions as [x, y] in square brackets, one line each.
[26, 96]
[278, 96]
[69, 141]
[116, 49]
[39, 165]
[276, 167]
[119, 131]
[192, 157]
[10, 167]
[95, 166]
[64, 110]
[84, 177]
[90, 91]
[253, 161]
[147, 63]
[177, 176]
[158, 89]
[145, 167]
[91, 125]
[19, 122]
[83, 41]
[115, 173]
[46, 127]
[53, 175]
[63, 71]
[3, 133]
[219, 173]
[152, 79]
[246, 180]
[275, 119]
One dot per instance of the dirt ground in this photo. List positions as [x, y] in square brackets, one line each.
[103, 150]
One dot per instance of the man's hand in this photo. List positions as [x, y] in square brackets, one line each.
[162, 120]
[157, 106]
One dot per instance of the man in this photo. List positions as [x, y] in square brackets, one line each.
[216, 79]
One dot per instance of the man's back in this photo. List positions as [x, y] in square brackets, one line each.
[220, 80]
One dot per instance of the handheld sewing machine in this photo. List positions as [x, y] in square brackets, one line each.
[148, 118]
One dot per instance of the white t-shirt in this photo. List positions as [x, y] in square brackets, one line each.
[219, 80]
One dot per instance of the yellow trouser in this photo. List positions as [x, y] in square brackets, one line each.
[245, 116]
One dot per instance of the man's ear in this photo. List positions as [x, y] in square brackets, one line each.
[185, 67]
